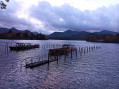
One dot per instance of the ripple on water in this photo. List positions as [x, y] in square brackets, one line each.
[92, 69]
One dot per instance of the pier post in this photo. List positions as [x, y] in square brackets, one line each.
[48, 58]
[71, 53]
[76, 52]
[87, 49]
[57, 56]
[82, 49]
[7, 47]
[79, 49]
[65, 56]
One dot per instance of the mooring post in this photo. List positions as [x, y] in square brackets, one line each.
[42, 47]
[79, 49]
[48, 57]
[57, 56]
[87, 49]
[84, 51]
[76, 52]
[71, 53]
[47, 46]
[92, 48]
[65, 56]
[7, 47]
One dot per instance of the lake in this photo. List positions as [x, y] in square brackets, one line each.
[92, 69]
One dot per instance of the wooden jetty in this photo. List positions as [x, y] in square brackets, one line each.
[53, 55]
[39, 63]
[56, 53]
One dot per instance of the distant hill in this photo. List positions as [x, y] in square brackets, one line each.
[14, 33]
[67, 34]
[2, 30]
[104, 32]
[14, 30]
[78, 35]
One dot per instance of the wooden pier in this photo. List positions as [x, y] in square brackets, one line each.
[56, 56]
[39, 63]
[53, 55]
[51, 58]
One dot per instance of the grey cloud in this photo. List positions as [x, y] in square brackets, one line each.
[8, 17]
[101, 19]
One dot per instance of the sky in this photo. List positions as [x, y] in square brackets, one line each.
[47, 16]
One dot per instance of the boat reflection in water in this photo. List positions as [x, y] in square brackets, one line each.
[23, 46]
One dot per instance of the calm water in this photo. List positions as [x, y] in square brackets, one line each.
[93, 69]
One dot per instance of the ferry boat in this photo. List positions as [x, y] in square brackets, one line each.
[65, 49]
[23, 46]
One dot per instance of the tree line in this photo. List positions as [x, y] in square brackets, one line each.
[104, 38]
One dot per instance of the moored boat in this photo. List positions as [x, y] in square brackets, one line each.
[23, 46]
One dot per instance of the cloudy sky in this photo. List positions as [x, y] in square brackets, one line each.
[47, 16]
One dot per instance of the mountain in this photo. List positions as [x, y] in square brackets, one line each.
[2, 30]
[68, 33]
[105, 32]
[14, 30]
[81, 35]
[6, 30]
[14, 33]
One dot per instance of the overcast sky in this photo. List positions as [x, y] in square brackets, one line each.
[47, 16]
